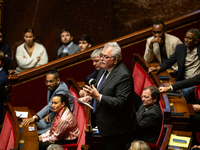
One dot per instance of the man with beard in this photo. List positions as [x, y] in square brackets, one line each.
[187, 56]
[161, 45]
[45, 116]
[68, 47]
[85, 42]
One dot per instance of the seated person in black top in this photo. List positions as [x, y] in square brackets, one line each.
[91, 79]
[85, 42]
[149, 116]
[5, 48]
[3, 83]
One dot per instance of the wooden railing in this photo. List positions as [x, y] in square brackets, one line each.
[28, 87]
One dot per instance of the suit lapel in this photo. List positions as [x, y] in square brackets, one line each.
[111, 75]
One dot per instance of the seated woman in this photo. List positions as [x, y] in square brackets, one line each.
[64, 128]
[30, 54]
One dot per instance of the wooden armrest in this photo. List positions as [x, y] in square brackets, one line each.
[85, 147]
[168, 132]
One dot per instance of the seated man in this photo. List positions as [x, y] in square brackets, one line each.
[68, 47]
[161, 45]
[149, 116]
[91, 79]
[85, 42]
[3, 83]
[45, 116]
[187, 56]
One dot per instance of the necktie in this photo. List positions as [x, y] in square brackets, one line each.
[98, 88]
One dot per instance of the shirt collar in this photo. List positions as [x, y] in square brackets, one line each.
[1, 68]
[68, 46]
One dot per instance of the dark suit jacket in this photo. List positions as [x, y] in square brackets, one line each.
[187, 83]
[115, 114]
[149, 124]
[72, 50]
[5, 48]
[179, 57]
[3, 83]
[91, 76]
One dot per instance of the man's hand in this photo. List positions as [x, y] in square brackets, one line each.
[85, 99]
[196, 107]
[195, 146]
[155, 69]
[154, 40]
[82, 93]
[27, 121]
[92, 91]
[40, 138]
[47, 119]
[164, 89]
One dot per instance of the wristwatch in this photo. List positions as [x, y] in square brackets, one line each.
[34, 118]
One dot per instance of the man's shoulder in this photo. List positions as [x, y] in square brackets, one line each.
[171, 38]
[75, 46]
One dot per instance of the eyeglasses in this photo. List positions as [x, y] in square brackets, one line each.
[48, 81]
[189, 38]
[106, 57]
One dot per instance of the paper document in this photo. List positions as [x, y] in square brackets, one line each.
[79, 100]
[179, 141]
[21, 114]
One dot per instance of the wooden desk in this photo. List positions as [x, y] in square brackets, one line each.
[178, 104]
[30, 138]
[186, 134]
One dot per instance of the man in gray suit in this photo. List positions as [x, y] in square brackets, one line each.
[45, 116]
[68, 47]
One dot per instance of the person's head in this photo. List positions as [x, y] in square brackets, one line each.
[96, 59]
[2, 59]
[52, 79]
[150, 96]
[29, 36]
[55, 147]
[192, 38]
[139, 145]
[110, 55]
[1, 35]
[58, 102]
[158, 29]
[84, 42]
[66, 36]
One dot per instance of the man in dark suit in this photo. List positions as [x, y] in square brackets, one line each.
[3, 83]
[187, 56]
[114, 96]
[149, 116]
[96, 59]
[68, 47]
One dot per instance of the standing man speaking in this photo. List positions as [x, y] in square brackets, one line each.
[113, 95]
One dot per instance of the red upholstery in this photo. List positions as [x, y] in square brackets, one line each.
[82, 124]
[139, 76]
[7, 137]
[197, 96]
[141, 79]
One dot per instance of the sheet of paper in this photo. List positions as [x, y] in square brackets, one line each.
[79, 100]
[179, 144]
[21, 114]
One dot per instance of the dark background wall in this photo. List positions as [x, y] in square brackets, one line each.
[103, 20]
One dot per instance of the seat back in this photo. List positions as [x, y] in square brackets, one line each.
[197, 92]
[81, 120]
[7, 136]
[161, 136]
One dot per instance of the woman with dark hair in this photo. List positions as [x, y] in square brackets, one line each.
[64, 128]
[30, 54]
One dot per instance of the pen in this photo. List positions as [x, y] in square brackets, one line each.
[19, 115]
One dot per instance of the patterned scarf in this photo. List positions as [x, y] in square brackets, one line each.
[56, 120]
